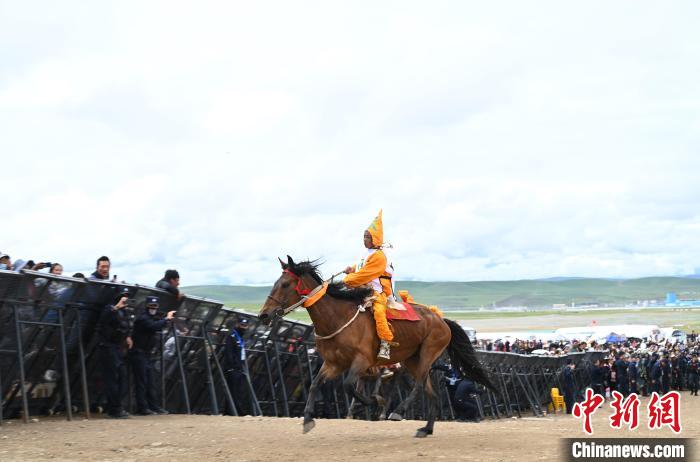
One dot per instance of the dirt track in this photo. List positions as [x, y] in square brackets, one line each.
[178, 437]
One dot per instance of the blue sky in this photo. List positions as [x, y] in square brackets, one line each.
[505, 141]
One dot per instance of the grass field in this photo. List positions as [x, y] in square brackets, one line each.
[455, 298]
[531, 293]
[684, 319]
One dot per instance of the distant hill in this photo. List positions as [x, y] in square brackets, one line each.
[531, 293]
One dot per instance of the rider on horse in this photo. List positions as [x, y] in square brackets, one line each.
[374, 270]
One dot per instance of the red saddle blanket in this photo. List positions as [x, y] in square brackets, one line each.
[399, 315]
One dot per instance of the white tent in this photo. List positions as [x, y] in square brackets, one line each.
[600, 333]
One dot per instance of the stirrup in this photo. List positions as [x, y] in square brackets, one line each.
[384, 350]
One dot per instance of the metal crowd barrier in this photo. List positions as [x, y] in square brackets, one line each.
[48, 330]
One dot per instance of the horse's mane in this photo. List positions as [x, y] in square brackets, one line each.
[336, 289]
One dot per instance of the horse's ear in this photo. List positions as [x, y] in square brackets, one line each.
[290, 262]
[284, 265]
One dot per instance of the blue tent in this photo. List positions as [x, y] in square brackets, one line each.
[614, 338]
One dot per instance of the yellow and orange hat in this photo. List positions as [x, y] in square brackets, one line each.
[376, 230]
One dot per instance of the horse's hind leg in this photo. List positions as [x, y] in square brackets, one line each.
[411, 365]
[377, 395]
[429, 352]
[353, 401]
[359, 365]
[432, 410]
[419, 367]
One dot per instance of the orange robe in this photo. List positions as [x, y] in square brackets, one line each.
[373, 270]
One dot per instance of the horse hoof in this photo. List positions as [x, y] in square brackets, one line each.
[308, 426]
[395, 417]
[422, 433]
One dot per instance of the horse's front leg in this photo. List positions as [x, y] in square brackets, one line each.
[311, 400]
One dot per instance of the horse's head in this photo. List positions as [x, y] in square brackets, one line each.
[289, 288]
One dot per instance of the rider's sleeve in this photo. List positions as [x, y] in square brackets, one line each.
[374, 267]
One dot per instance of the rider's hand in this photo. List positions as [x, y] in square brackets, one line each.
[349, 270]
[121, 304]
[129, 343]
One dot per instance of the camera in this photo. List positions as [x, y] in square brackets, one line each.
[48, 264]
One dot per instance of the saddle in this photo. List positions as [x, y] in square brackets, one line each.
[395, 311]
[405, 313]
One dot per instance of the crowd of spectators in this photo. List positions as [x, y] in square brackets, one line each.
[640, 366]
[122, 337]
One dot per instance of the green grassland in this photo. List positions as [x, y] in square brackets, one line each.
[530, 293]
[462, 300]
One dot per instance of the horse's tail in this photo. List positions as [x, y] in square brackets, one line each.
[463, 356]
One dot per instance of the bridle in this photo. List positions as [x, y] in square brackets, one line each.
[298, 288]
[307, 296]
[311, 296]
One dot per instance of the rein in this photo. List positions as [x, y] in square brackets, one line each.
[360, 308]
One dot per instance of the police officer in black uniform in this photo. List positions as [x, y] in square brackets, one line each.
[114, 329]
[146, 326]
[235, 365]
[655, 376]
[569, 384]
[666, 373]
[633, 372]
[694, 375]
[597, 373]
[621, 369]
[466, 407]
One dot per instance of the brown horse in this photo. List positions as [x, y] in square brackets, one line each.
[354, 348]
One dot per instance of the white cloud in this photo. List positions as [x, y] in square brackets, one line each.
[502, 142]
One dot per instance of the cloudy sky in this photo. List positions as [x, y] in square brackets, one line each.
[504, 140]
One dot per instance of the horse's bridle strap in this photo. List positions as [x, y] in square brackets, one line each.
[308, 297]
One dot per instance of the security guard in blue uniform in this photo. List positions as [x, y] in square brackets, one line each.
[146, 327]
[114, 330]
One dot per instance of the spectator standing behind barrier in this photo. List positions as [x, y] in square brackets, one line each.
[170, 283]
[655, 376]
[146, 327]
[694, 375]
[633, 373]
[597, 374]
[102, 268]
[642, 376]
[621, 375]
[114, 329]
[89, 316]
[5, 262]
[569, 385]
[234, 358]
[665, 375]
